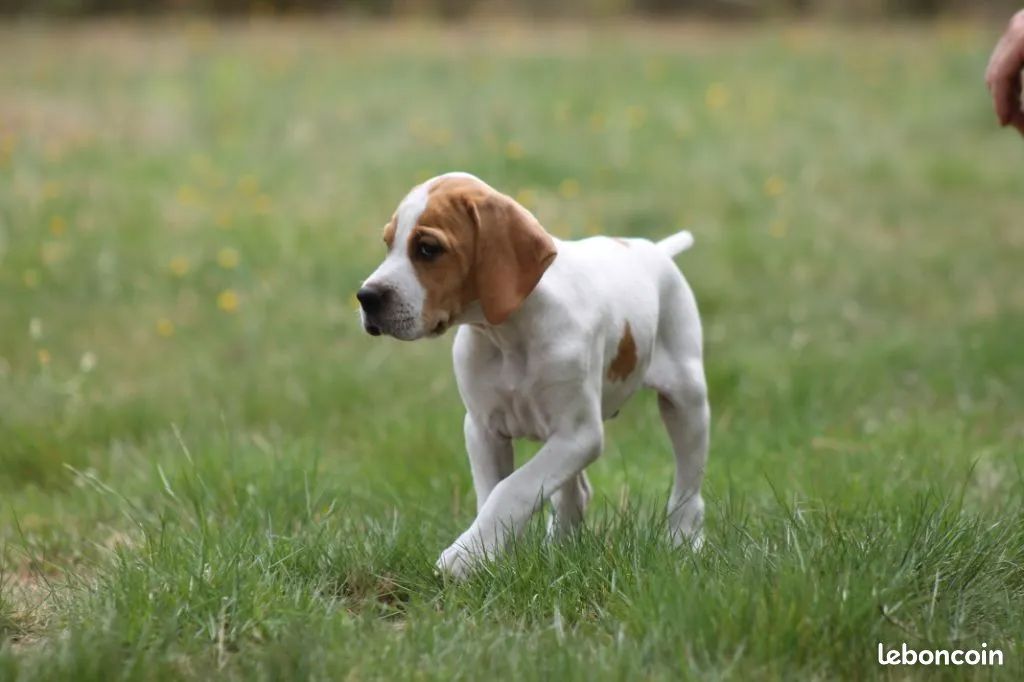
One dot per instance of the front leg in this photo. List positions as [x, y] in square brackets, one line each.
[490, 458]
[515, 499]
[568, 504]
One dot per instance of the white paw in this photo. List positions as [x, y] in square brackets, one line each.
[458, 561]
[692, 540]
[685, 521]
[560, 530]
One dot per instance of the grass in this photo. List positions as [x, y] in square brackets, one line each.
[207, 469]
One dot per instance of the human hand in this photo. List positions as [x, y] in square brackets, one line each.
[1003, 75]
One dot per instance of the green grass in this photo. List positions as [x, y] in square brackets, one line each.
[260, 493]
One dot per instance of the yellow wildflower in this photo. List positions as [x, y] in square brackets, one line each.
[164, 327]
[774, 186]
[227, 301]
[51, 189]
[416, 126]
[262, 204]
[187, 195]
[717, 97]
[637, 116]
[248, 184]
[58, 226]
[228, 258]
[569, 188]
[7, 142]
[527, 197]
[178, 266]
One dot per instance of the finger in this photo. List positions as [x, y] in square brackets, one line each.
[1018, 122]
[1002, 97]
[1016, 115]
[995, 63]
[1006, 90]
[1003, 76]
[998, 79]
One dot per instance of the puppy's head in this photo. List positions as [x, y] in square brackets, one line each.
[453, 241]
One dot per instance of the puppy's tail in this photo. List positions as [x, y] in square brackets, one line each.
[676, 244]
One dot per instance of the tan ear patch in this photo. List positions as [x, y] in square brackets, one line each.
[389, 232]
[625, 359]
[495, 251]
[513, 252]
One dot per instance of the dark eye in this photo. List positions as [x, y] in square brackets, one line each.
[428, 250]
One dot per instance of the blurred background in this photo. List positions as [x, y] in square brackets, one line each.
[461, 9]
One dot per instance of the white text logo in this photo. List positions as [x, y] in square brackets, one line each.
[905, 656]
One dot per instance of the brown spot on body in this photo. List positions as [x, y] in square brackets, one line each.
[625, 359]
[620, 241]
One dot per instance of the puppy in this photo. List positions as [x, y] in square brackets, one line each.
[553, 338]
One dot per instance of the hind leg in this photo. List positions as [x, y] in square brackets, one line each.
[686, 415]
[568, 505]
[677, 374]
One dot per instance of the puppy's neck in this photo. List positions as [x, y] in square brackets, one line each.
[517, 327]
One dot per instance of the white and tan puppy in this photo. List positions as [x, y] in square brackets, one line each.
[554, 336]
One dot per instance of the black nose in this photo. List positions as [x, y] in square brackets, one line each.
[371, 299]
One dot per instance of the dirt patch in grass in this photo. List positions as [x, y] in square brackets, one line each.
[26, 603]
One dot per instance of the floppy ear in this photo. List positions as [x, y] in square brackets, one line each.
[512, 253]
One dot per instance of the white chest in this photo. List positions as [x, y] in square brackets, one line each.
[521, 397]
[510, 398]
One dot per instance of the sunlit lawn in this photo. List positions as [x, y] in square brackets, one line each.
[206, 467]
